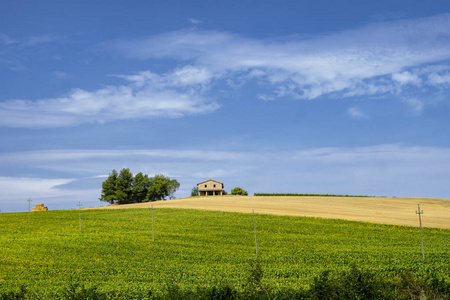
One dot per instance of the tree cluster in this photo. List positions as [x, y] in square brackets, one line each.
[239, 191]
[125, 188]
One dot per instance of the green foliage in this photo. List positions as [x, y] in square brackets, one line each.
[239, 191]
[309, 195]
[139, 191]
[109, 188]
[205, 255]
[16, 294]
[173, 187]
[159, 188]
[194, 191]
[125, 188]
[78, 291]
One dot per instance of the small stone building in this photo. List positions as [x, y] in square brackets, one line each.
[210, 188]
[40, 207]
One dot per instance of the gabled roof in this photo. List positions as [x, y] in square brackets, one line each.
[209, 180]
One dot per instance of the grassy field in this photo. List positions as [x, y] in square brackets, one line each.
[396, 211]
[200, 248]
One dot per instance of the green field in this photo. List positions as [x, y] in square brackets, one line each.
[193, 248]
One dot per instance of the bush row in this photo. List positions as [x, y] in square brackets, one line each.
[351, 284]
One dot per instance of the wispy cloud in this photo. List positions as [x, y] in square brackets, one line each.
[14, 188]
[356, 113]
[349, 62]
[416, 106]
[146, 95]
[13, 52]
[59, 74]
[41, 39]
[6, 40]
[194, 21]
[397, 58]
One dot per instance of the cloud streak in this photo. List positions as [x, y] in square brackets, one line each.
[346, 62]
[146, 95]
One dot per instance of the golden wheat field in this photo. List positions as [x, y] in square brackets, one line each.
[397, 211]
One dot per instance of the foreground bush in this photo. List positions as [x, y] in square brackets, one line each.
[352, 284]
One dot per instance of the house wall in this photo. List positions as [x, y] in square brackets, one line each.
[209, 186]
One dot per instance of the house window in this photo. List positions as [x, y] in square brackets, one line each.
[206, 185]
[214, 185]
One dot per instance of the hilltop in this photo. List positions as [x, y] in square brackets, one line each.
[396, 211]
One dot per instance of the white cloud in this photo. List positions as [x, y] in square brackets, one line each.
[194, 21]
[406, 78]
[415, 105]
[59, 74]
[147, 95]
[356, 113]
[16, 188]
[349, 62]
[6, 40]
[382, 58]
[34, 40]
[265, 97]
[439, 79]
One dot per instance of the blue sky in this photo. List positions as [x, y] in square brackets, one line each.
[341, 97]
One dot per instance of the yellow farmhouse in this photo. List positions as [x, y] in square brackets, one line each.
[210, 188]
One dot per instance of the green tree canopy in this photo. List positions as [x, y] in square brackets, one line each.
[159, 188]
[109, 188]
[194, 191]
[123, 186]
[173, 187]
[239, 191]
[126, 188]
[139, 191]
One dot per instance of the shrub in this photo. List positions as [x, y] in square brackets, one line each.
[239, 191]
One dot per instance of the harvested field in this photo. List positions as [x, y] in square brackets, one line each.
[396, 211]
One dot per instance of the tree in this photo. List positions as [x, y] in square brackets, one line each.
[194, 191]
[140, 187]
[126, 188]
[239, 191]
[173, 187]
[123, 186]
[109, 188]
[161, 187]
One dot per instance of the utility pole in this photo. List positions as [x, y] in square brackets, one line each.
[29, 209]
[254, 228]
[79, 213]
[420, 212]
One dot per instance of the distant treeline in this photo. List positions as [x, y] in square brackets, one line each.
[309, 195]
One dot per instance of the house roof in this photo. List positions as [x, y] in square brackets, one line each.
[209, 180]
